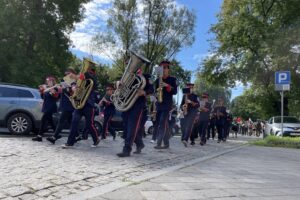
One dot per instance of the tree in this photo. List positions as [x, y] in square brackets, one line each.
[253, 39]
[34, 38]
[214, 91]
[158, 32]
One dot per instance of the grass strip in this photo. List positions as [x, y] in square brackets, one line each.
[274, 141]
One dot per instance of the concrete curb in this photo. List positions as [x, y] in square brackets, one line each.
[98, 191]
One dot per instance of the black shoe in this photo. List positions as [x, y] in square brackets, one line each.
[224, 140]
[84, 137]
[58, 137]
[37, 138]
[139, 149]
[202, 143]
[219, 141]
[158, 147]
[114, 137]
[165, 147]
[184, 143]
[77, 139]
[193, 143]
[96, 143]
[123, 154]
[51, 139]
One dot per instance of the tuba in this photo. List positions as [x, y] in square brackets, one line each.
[83, 87]
[126, 93]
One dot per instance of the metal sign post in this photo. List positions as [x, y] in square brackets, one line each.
[282, 113]
[282, 83]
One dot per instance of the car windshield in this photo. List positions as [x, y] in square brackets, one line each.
[286, 120]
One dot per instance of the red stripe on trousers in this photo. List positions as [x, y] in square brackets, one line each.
[137, 127]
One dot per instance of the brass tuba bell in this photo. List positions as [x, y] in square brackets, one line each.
[126, 94]
[83, 87]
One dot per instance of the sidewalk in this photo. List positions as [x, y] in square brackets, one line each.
[247, 173]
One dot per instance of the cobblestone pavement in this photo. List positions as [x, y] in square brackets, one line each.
[33, 170]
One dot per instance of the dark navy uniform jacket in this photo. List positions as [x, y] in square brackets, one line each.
[220, 109]
[204, 116]
[194, 98]
[49, 104]
[92, 98]
[65, 104]
[109, 107]
[168, 93]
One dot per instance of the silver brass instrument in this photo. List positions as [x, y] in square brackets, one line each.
[83, 87]
[126, 93]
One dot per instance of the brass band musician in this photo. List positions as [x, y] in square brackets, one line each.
[189, 105]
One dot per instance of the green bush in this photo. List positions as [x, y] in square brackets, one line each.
[273, 141]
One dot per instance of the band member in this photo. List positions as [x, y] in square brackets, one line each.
[205, 110]
[87, 111]
[169, 88]
[50, 96]
[109, 110]
[220, 114]
[228, 124]
[65, 107]
[132, 120]
[211, 127]
[189, 106]
[195, 129]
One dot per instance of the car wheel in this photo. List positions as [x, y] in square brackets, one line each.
[98, 127]
[150, 130]
[19, 124]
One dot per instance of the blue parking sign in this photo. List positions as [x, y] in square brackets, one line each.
[283, 78]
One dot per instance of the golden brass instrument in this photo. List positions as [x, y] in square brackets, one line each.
[159, 91]
[53, 87]
[83, 87]
[185, 105]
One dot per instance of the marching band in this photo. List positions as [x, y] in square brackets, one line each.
[77, 94]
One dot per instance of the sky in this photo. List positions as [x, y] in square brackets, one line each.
[189, 57]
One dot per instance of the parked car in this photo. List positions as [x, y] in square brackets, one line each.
[20, 108]
[291, 126]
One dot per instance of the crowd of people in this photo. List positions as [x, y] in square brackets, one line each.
[199, 117]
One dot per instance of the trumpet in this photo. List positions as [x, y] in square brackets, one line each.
[48, 89]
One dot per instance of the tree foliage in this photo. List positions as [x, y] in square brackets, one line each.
[214, 91]
[34, 38]
[253, 39]
[158, 30]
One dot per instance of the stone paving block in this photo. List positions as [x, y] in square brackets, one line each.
[17, 190]
[28, 197]
[2, 195]
[44, 193]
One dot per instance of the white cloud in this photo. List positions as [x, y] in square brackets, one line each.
[95, 17]
[94, 20]
[200, 57]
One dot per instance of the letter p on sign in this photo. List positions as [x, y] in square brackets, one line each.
[282, 77]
